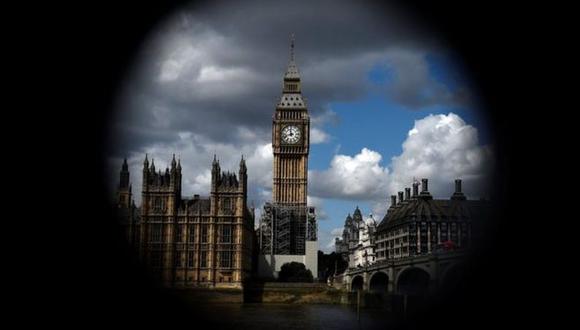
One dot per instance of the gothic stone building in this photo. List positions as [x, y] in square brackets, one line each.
[357, 245]
[190, 242]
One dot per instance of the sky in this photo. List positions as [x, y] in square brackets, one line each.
[388, 101]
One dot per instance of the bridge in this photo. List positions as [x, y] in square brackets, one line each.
[416, 275]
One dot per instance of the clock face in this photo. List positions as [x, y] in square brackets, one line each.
[291, 134]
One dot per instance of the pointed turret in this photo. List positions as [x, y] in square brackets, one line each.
[292, 69]
[357, 216]
[243, 175]
[176, 175]
[215, 165]
[124, 189]
[243, 167]
[124, 175]
[173, 163]
[348, 220]
[291, 93]
[145, 180]
[215, 173]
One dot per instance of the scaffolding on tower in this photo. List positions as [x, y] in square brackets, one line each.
[284, 229]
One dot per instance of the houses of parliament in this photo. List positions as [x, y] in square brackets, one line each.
[209, 242]
[189, 242]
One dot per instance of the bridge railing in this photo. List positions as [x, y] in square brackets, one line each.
[404, 260]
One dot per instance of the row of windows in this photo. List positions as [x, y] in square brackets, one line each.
[397, 251]
[226, 259]
[291, 87]
[159, 204]
[225, 231]
[193, 219]
[423, 227]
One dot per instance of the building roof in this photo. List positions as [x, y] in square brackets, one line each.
[292, 69]
[195, 205]
[429, 210]
[291, 101]
[357, 215]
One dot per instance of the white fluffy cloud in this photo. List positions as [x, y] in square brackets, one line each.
[441, 148]
[351, 177]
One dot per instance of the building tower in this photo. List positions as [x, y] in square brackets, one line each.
[290, 140]
[288, 228]
[124, 190]
[126, 210]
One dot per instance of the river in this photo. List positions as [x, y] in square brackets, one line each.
[293, 316]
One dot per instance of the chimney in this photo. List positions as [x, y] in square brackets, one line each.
[407, 194]
[458, 195]
[415, 189]
[393, 200]
[424, 185]
[400, 197]
[425, 189]
[458, 186]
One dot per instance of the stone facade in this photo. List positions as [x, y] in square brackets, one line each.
[190, 242]
[357, 245]
[417, 224]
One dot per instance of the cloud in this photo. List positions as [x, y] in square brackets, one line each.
[318, 136]
[337, 232]
[196, 169]
[318, 203]
[207, 80]
[327, 237]
[412, 84]
[351, 177]
[441, 148]
[213, 72]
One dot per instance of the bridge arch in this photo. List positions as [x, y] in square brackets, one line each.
[413, 281]
[379, 282]
[357, 283]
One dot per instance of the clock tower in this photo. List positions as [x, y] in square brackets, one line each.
[290, 141]
[288, 230]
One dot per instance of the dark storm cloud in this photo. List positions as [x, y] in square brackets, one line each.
[214, 70]
[207, 80]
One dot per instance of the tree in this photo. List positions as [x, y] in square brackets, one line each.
[330, 264]
[294, 272]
